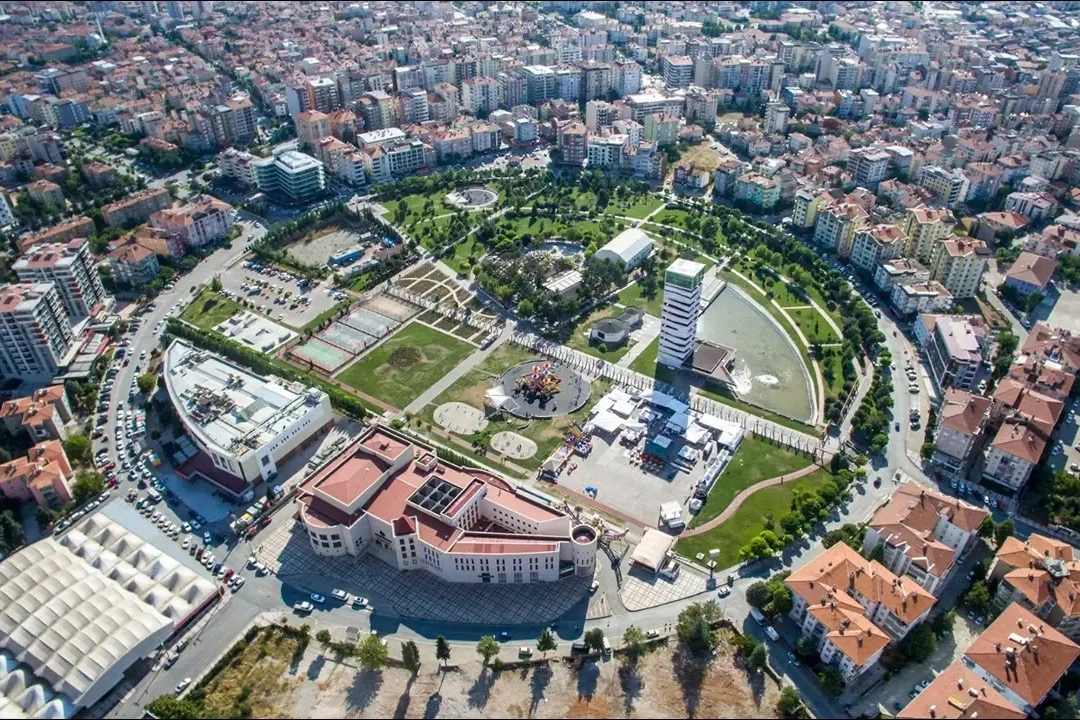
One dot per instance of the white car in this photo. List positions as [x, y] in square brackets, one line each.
[182, 685]
[339, 594]
[237, 583]
[186, 543]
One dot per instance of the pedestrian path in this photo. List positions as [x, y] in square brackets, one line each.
[741, 498]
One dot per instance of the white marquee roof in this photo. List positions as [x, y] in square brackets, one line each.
[71, 609]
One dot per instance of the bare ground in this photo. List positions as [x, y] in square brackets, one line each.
[661, 687]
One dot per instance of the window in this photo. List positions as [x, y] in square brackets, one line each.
[517, 577]
[534, 576]
[266, 460]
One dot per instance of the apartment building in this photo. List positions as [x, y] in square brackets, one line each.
[1036, 206]
[949, 187]
[1022, 657]
[606, 151]
[44, 476]
[873, 245]
[958, 263]
[868, 167]
[388, 496]
[43, 415]
[47, 193]
[197, 223]
[1013, 453]
[909, 299]
[924, 228]
[853, 608]
[962, 425]
[1053, 344]
[291, 174]
[661, 129]
[836, 225]
[1030, 273]
[1042, 575]
[923, 533]
[957, 349]
[133, 265]
[573, 144]
[760, 192]
[311, 127]
[71, 266]
[137, 208]
[77, 227]
[35, 332]
[678, 71]
[900, 271]
[238, 165]
[959, 693]
[480, 95]
[804, 212]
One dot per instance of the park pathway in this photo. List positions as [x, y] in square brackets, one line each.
[741, 498]
[458, 372]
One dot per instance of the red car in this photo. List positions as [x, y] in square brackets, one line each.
[109, 466]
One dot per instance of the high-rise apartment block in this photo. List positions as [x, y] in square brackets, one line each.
[72, 268]
[35, 334]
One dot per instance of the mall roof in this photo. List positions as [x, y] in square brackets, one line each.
[228, 405]
[72, 609]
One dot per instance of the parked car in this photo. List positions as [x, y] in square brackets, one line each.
[303, 606]
[182, 685]
[317, 598]
[339, 594]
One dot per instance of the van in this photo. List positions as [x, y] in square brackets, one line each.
[759, 618]
[607, 647]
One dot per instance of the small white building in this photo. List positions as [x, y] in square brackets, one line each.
[630, 248]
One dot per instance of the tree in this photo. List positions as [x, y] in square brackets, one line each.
[781, 601]
[695, 626]
[806, 647]
[442, 650]
[758, 595]
[79, 450]
[88, 485]
[323, 638]
[977, 597]
[170, 707]
[410, 657]
[634, 640]
[146, 382]
[831, 681]
[1004, 531]
[488, 647]
[546, 642]
[759, 656]
[987, 527]
[789, 702]
[372, 653]
[594, 639]
[215, 283]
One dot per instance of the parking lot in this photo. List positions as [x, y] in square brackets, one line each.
[237, 277]
[621, 482]
[1065, 313]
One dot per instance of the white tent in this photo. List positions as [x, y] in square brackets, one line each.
[498, 399]
[607, 422]
[653, 549]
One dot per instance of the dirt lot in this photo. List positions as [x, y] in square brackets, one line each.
[702, 155]
[316, 247]
[598, 690]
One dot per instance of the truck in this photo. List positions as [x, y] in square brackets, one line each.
[759, 618]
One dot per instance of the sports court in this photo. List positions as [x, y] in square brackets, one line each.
[322, 355]
[345, 337]
[372, 323]
[389, 307]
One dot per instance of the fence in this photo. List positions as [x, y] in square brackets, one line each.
[456, 315]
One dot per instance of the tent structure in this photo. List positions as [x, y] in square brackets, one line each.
[497, 399]
[653, 549]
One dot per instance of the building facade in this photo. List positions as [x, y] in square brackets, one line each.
[682, 307]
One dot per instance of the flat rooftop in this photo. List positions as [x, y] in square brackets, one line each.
[229, 406]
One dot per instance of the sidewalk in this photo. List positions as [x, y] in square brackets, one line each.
[741, 498]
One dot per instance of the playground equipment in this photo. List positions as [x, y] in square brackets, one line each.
[541, 382]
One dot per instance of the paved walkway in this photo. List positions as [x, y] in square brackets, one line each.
[741, 498]
[456, 373]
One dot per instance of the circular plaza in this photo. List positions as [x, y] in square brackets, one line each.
[474, 198]
[541, 389]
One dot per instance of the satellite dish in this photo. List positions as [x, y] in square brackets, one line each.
[950, 142]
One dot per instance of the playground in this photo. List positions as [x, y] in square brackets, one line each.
[540, 389]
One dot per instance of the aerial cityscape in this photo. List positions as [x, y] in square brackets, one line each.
[558, 359]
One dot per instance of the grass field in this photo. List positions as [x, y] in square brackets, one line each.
[754, 461]
[671, 216]
[635, 206]
[547, 434]
[547, 228]
[406, 364]
[748, 520]
[814, 327]
[633, 296]
[209, 309]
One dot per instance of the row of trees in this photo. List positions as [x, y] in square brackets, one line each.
[871, 419]
[808, 508]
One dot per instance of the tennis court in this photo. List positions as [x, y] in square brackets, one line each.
[345, 337]
[322, 355]
[390, 307]
[372, 323]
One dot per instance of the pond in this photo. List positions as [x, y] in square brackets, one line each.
[768, 369]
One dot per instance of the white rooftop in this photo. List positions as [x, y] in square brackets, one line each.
[627, 244]
[229, 406]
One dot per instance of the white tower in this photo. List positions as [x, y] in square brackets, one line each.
[682, 306]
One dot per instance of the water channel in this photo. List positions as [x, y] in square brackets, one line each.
[768, 370]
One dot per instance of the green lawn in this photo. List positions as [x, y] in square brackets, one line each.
[632, 296]
[546, 228]
[645, 363]
[832, 389]
[635, 206]
[547, 434]
[814, 326]
[754, 461]
[396, 375]
[469, 249]
[415, 207]
[209, 309]
[748, 520]
[579, 337]
[671, 216]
